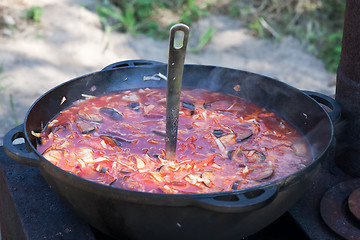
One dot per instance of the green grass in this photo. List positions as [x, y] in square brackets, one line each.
[33, 14]
[143, 16]
[204, 39]
[2, 77]
[316, 23]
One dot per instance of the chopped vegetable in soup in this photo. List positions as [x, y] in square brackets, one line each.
[224, 143]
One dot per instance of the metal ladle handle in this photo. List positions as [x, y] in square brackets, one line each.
[173, 87]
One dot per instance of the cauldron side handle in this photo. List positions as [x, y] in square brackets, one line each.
[132, 63]
[239, 202]
[28, 158]
[335, 107]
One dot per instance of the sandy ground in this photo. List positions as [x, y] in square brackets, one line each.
[70, 42]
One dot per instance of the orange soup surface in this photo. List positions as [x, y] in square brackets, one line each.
[224, 143]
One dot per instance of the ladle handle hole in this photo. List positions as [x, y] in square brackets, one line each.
[179, 34]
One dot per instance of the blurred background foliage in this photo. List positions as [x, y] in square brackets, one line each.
[316, 23]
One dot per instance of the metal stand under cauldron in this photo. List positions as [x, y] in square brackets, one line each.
[333, 203]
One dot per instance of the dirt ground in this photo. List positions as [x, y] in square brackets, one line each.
[70, 42]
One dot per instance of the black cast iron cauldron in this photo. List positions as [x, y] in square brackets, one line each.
[139, 215]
